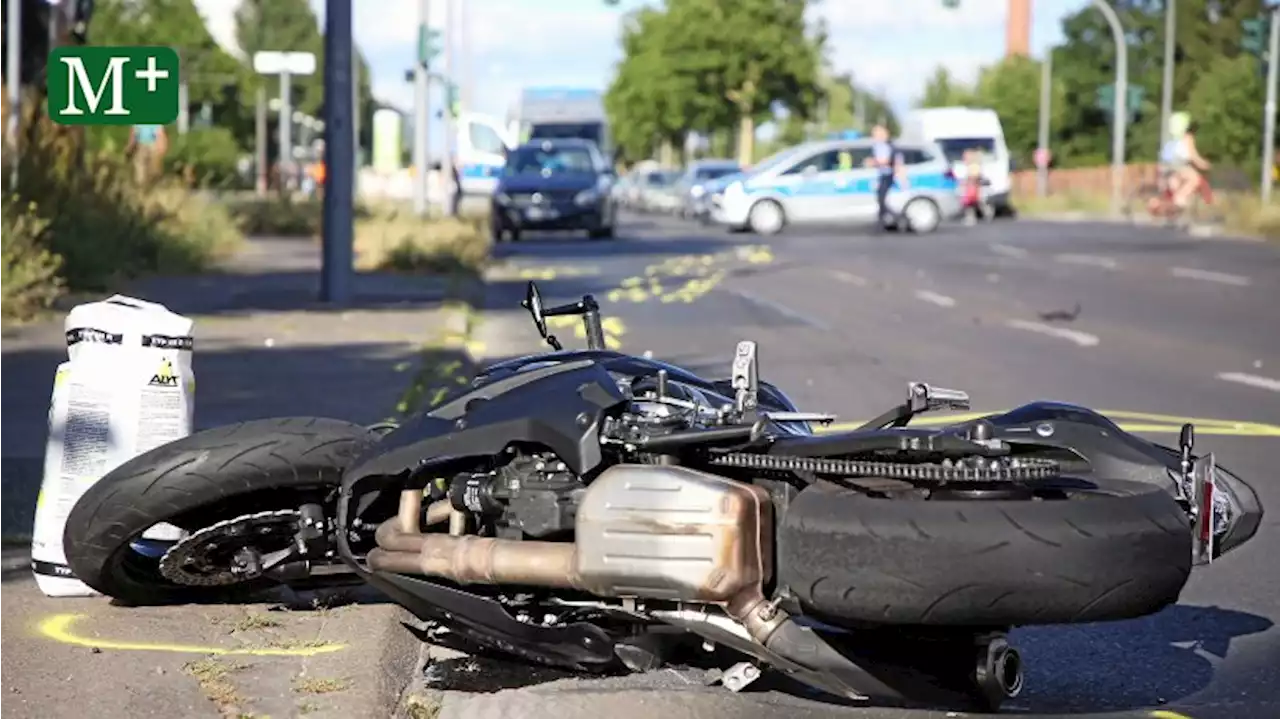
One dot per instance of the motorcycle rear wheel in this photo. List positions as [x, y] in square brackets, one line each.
[197, 481]
[1114, 550]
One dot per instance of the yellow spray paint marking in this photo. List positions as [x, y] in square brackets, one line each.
[1167, 714]
[1138, 422]
[58, 628]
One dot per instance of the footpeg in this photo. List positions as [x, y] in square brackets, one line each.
[922, 397]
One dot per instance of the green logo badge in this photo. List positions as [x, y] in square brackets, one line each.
[113, 85]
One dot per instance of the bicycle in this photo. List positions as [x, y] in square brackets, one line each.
[1154, 200]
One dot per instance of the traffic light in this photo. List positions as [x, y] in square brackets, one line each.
[1253, 35]
[428, 45]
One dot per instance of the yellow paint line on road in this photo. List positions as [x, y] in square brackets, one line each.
[59, 628]
[1167, 714]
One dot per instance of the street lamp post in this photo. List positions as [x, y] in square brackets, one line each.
[1120, 120]
[1269, 123]
[1170, 50]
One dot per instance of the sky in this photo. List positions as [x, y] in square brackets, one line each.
[890, 45]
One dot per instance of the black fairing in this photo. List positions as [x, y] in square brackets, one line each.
[1087, 444]
[559, 406]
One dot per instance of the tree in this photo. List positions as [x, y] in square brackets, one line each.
[1227, 103]
[1011, 87]
[743, 57]
[646, 102]
[942, 90]
[212, 75]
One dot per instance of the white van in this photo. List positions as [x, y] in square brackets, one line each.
[482, 144]
[957, 129]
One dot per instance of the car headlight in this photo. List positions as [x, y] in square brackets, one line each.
[586, 197]
[502, 198]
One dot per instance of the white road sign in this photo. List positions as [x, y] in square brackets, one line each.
[274, 62]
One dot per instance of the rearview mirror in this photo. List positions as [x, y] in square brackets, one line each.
[533, 303]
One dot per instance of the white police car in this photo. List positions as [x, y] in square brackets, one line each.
[828, 182]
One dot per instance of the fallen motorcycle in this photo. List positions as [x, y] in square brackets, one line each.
[581, 508]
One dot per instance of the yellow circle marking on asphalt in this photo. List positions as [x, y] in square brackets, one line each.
[58, 628]
[1129, 421]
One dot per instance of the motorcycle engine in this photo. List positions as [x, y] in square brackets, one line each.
[536, 496]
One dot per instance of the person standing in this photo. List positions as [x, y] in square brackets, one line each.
[147, 147]
[887, 162]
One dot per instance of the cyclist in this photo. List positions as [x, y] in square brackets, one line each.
[1182, 161]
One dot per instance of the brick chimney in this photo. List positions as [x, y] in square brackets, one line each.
[1018, 30]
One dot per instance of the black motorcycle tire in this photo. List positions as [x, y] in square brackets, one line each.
[1124, 552]
[193, 482]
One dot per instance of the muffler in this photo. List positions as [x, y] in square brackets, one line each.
[642, 531]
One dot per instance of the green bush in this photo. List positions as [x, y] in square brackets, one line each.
[30, 282]
[277, 215]
[101, 225]
[208, 156]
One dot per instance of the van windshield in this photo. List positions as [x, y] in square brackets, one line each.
[955, 147]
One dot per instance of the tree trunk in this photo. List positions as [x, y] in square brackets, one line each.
[666, 155]
[746, 138]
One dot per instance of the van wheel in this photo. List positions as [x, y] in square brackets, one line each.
[922, 216]
[766, 218]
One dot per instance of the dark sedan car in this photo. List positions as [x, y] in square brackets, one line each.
[561, 184]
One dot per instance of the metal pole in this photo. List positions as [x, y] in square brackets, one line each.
[1170, 50]
[184, 108]
[468, 66]
[355, 121]
[421, 108]
[260, 140]
[285, 127]
[449, 70]
[1046, 100]
[1120, 121]
[13, 79]
[1269, 122]
[335, 274]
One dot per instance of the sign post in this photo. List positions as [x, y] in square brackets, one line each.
[286, 65]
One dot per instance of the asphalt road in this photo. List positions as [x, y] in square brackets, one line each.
[1150, 326]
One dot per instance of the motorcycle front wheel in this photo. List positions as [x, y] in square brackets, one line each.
[231, 488]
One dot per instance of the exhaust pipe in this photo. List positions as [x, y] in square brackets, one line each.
[663, 532]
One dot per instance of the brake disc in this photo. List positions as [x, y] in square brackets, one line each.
[206, 558]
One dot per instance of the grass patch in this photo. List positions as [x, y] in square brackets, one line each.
[420, 707]
[276, 215]
[1246, 214]
[1063, 203]
[319, 685]
[254, 621]
[215, 684]
[392, 238]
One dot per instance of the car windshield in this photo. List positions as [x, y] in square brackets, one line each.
[661, 178]
[774, 160]
[955, 147]
[547, 160]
